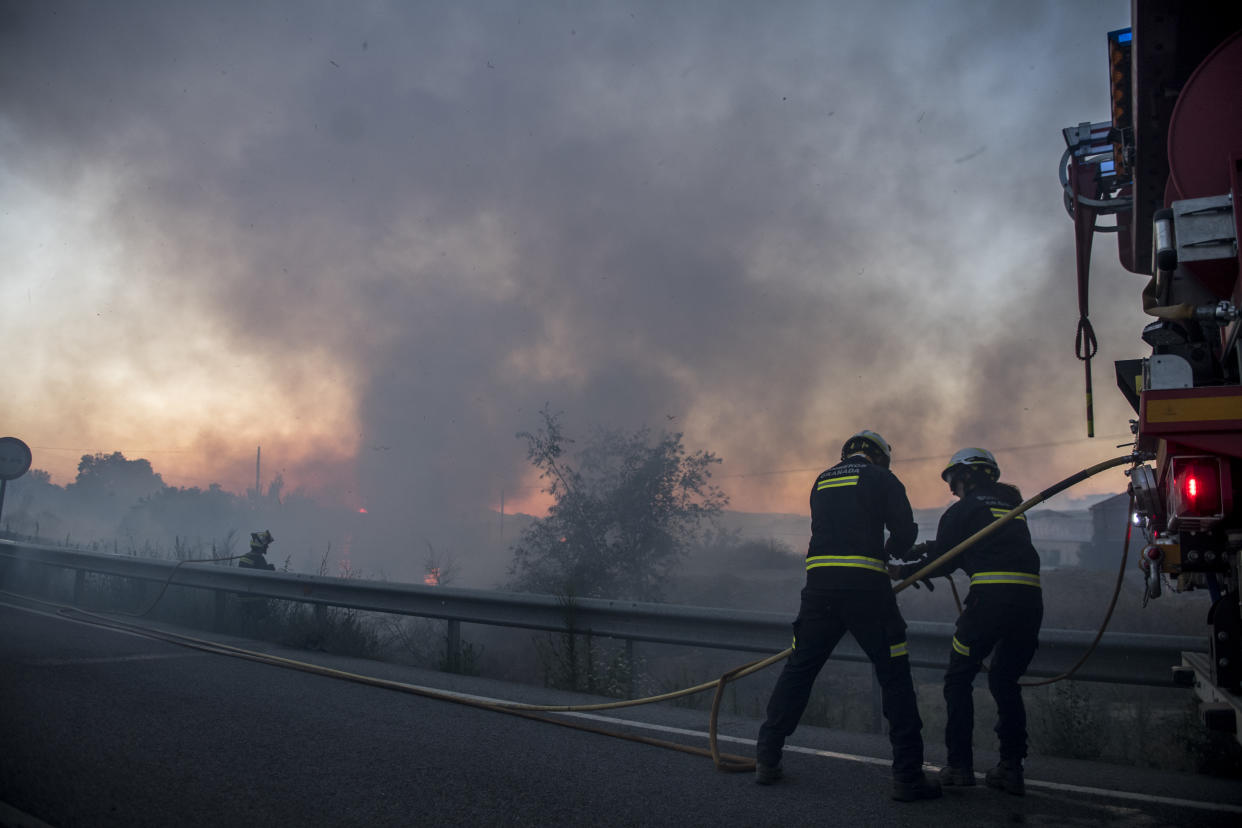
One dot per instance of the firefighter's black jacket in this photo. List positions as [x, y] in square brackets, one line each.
[254, 560]
[852, 504]
[1006, 558]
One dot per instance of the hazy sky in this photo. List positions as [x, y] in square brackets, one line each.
[375, 238]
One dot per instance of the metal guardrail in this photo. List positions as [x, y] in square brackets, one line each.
[1119, 658]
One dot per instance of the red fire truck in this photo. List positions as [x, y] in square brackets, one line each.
[1167, 166]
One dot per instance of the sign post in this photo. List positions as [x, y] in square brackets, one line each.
[15, 459]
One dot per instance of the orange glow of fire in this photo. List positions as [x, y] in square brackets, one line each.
[432, 578]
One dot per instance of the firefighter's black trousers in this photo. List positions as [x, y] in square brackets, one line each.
[1005, 619]
[872, 617]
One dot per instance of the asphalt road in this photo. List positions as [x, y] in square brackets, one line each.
[103, 728]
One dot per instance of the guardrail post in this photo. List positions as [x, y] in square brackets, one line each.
[629, 665]
[28, 575]
[219, 609]
[79, 587]
[321, 621]
[453, 646]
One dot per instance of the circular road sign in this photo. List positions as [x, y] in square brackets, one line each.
[15, 458]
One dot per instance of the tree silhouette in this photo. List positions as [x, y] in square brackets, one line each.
[624, 513]
[109, 482]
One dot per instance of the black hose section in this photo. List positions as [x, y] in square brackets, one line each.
[1075, 479]
[168, 582]
[1054, 490]
[1112, 605]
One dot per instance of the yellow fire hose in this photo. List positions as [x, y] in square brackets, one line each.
[1072, 480]
[725, 762]
[1056, 489]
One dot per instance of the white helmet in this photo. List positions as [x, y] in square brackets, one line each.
[871, 444]
[973, 458]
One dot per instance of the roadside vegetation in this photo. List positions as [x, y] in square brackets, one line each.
[635, 516]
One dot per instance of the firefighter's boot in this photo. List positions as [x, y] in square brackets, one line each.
[918, 788]
[767, 774]
[951, 777]
[1007, 776]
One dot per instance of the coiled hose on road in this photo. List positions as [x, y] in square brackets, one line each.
[724, 762]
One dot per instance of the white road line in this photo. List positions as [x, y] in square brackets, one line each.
[828, 754]
[1107, 793]
[871, 760]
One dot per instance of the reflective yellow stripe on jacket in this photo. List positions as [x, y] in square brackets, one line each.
[837, 482]
[1023, 578]
[997, 512]
[856, 561]
[898, 650]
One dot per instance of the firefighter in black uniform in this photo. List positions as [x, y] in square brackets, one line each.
[1003, 612]
[254, 559]
[847, 589]
[253, 608]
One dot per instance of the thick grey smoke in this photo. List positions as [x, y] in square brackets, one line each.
[766, 225]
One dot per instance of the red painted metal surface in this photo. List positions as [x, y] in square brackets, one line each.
[1206, 127]
[1205, 130]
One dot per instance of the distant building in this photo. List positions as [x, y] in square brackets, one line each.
[928, 520]
[1059, 537]
[1109, 519]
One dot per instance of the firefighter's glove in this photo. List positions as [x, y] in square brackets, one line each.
[919, 550]
[906, 571]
